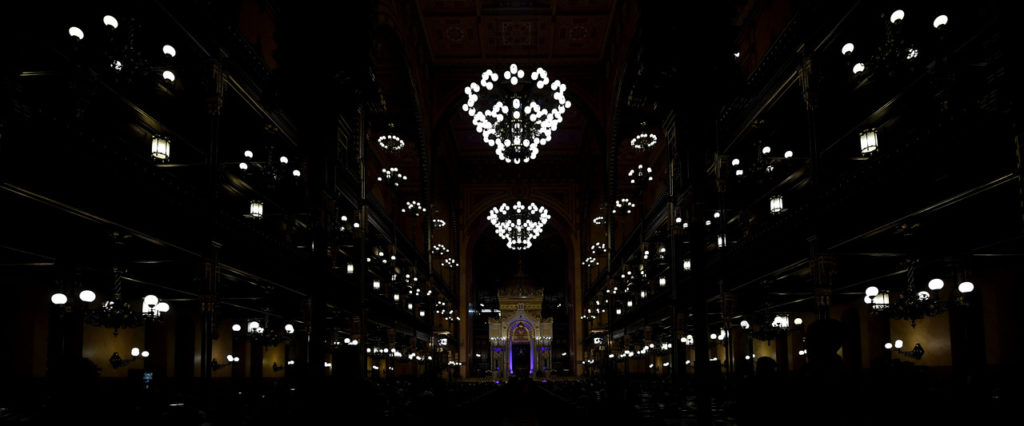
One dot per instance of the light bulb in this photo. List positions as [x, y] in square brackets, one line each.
[935, 284]
[871, 291]
[87, 296]
[965, 287]
[168, 76]
[111, 21]
[847, 48]
[236, 327]
[897, 15]
[940, 21]
[76, 33]
[58, 299]
[135, 352]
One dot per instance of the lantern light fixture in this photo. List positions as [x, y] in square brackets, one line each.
[161, 148]
[775, 204]
[256, 209]
[868, 141]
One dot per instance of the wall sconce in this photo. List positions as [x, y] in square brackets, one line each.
[868, 141]
[256, 209]
[775, 204]
[161, 151]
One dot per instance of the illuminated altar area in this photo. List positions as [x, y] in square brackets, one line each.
[520, 336]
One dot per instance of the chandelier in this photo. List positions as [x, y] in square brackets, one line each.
[449, 263]
[115, 313]
[414, 208]
[913, 303]
[644, 139]
[439, 250]
[390, 141]
[439, 223]
[623, 206]
[641, 174]
[519, 225]
[599, 247]
[590, 261]
[266, 337]
[516, 119]
[391, 176]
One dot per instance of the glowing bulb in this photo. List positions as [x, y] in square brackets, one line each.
[87, 296]
[858, 68]
[935, 284]
[76, 33]
[897, 15]
[847, 48]
[169, 50]
[965, 287]
[58, 299]
[940, 21]
[168, 76]
[111, 21]
[236, 327]
[871, 291]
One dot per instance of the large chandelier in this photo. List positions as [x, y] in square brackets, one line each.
[519, 225]
[516, 119]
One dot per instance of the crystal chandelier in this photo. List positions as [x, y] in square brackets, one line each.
[516, 119]
[519, 225]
